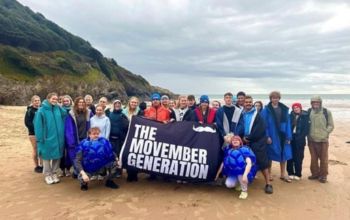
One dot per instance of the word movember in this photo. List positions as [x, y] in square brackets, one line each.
[148, 154]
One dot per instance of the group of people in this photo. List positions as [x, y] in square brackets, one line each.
[66, 133]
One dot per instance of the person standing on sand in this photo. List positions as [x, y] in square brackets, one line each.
[119, 129]
[252, 129]
[300, 128]
[49, 133]
[321, 125]
[133, 109]
[76, 128]
[278, 132]
[28, 121]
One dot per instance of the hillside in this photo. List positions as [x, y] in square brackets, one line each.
[37, 56]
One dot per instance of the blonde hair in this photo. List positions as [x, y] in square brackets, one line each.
[34, 97]
[94, 129]
[51, 94]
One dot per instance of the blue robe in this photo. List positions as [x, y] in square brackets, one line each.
[279, 150]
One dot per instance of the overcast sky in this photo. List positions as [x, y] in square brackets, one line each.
[211, 47]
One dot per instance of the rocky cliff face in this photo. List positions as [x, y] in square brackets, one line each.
[37, 57]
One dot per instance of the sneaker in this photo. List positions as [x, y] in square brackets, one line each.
[297, 178]
[49, 180]
[84, 187]
[292, 177]
[94, 177]
[111, 184]
[68, 173]
[323, 180]
[38, 169]
[313, 177]
[268, 189]
[100, 178]
[55, 178]
[243, 195]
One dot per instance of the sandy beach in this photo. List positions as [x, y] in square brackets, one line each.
[25, 195]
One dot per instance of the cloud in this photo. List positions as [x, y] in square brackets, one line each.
[214, 46]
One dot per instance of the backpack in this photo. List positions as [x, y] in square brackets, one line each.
[325, 113]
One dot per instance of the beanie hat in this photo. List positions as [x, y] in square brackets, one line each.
[316, 98]
[155, 96]
[204, 99]
[297, 104]
[164, 97]
[237, 138]
[115, 101]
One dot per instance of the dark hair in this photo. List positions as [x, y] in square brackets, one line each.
[75, 107]
[228, 94]
[142, 106]
[191, 97]
[241, 93]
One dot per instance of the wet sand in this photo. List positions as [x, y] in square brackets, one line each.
[25, 195]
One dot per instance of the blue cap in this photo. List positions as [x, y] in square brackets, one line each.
[155, 96]
[204, 98]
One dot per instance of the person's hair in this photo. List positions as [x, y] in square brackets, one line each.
[131, 98]
[217, 102]
[177, 104]
[228, 94]
[88, 96]
[71, 103]
[51, 94]
[248, 97]
[191, 98]
[75, 107]
[99, 106]
[240, 93]
[260, 102]
[103, 98]
[94, 129]
[274, 94]
[33, 98]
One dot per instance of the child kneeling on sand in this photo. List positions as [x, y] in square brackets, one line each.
[95, 157]
[238, 166]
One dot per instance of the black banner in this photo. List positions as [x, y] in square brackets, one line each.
[180, 150]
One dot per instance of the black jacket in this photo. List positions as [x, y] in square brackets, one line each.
[302, 126]
[28, 119]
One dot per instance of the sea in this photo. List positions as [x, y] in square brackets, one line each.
[338, 104]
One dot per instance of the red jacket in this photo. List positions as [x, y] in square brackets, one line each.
[159, 114]
[210, 116]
